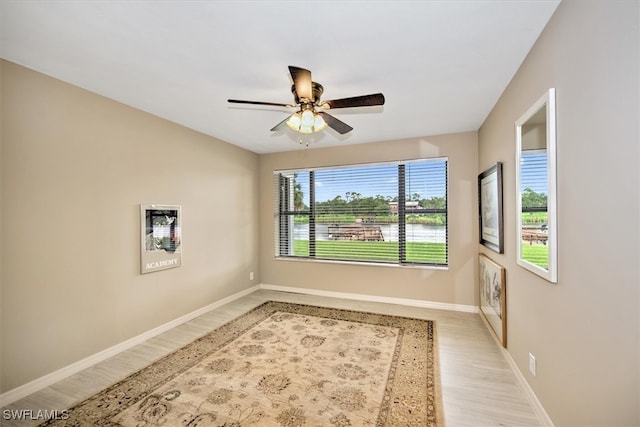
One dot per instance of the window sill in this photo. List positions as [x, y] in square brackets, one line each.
[363, 263]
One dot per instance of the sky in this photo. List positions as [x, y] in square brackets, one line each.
[426, 178]
[533, 168]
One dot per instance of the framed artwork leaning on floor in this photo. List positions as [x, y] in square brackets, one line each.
[493, 306]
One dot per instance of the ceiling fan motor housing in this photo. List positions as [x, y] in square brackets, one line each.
[316, 89]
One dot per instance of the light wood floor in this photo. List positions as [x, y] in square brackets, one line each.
[479, 389]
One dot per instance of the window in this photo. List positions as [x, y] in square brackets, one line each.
[386, 213]
[536, 203]
[534, 215]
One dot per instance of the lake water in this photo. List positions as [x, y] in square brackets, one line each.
[415, 232]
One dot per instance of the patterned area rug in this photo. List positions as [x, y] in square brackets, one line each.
[288, 365]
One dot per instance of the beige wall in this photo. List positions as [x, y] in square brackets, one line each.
[75, 167]
[454, 285]
[584, 330]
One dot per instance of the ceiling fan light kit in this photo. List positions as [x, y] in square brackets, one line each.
[306, 94]
[306, 121]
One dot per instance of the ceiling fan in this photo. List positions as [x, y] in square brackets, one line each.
[306, 94]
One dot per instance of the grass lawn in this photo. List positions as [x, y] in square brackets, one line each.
[537, 254]
[431, 253]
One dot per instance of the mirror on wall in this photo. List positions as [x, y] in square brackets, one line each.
[536, 188]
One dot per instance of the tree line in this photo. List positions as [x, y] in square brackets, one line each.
[353, 203]
[531, 199]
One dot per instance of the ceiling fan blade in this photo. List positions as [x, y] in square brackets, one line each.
[302, 82]
[338, 125]
[273, 104]
[281, 125]
[356, 101]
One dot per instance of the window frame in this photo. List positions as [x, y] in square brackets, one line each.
[284, 216]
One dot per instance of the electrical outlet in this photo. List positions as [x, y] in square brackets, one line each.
[251, 276]
[532, 364]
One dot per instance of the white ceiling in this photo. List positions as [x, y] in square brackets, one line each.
[441, 65]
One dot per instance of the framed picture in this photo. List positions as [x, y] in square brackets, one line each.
[490, 206]
[161, 237]
[493, 303]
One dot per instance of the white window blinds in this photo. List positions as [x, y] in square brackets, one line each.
[388, 213]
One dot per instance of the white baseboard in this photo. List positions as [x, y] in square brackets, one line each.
[542, 415]
[531, 396]
[374, 298]
[53, 377]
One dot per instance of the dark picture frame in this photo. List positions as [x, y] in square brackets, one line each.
[493, 298]
[490, 208]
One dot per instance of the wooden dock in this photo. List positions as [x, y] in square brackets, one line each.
[362, 233]
[534, 235]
